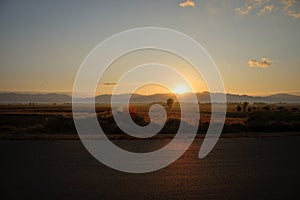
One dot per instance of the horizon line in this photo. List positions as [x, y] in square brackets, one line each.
[70, 93]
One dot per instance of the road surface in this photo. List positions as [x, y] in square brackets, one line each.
[237, 168]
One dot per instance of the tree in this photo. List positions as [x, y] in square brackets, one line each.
[170, 102]
[266, 108]
[239, 108]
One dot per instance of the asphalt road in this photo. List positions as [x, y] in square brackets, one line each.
[237, 168]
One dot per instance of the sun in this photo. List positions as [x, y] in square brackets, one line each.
[181, 89]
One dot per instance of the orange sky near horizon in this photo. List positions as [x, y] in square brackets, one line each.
[257, 49]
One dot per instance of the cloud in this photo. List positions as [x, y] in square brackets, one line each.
[288, 3]
[108, 83]
[186, 3]
[267, 6]
[262, 63]
[293, 14]
[248, 6]
[288, 6]
[241, 11]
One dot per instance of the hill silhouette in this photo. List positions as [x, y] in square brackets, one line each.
[203, 97]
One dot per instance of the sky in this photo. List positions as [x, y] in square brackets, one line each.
[254, 43]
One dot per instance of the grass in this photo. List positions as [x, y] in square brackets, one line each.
[57, 119]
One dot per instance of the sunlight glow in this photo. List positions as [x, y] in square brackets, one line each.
[181, 89]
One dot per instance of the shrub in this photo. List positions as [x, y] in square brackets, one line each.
[59, 123]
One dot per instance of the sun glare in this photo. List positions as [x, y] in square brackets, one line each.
[181, 89]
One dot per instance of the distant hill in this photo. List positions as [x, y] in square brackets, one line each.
[203, 97]
[34, 98]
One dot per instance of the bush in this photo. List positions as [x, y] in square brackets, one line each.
[273, 121]
[59, 123]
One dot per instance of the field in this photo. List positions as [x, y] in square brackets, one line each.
[52, 120]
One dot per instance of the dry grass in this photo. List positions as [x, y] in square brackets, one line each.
[57, 119]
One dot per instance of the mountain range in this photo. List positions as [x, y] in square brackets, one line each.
[203, 97]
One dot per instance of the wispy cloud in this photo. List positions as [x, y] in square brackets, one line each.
[294, 14]
[248, 6]
[267, 6]
[288, 3]
[261, 63]
[186, 3]
[267, 9]
[288, 8]
[108, 83]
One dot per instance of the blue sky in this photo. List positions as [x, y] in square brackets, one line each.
[43, 43]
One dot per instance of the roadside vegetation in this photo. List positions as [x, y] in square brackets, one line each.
[241, 117]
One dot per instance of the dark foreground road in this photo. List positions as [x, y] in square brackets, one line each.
[241, 168]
